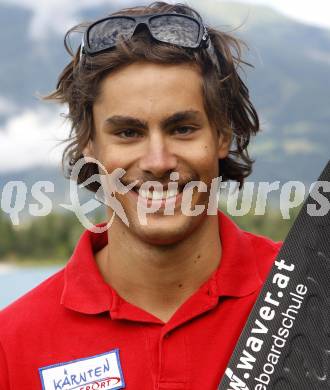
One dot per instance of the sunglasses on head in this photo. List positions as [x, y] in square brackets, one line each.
[176, 29]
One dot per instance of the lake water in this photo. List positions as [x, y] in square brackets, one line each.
[16, 281]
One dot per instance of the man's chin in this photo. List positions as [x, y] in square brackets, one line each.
[164, 229]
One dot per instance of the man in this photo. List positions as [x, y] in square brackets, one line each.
[157, 305]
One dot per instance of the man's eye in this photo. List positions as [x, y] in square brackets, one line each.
[183, 130]
[128, 133]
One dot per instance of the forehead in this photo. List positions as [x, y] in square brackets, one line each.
[146, 90]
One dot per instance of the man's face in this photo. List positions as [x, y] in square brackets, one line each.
[150, 120]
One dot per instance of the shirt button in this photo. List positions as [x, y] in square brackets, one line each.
[167, 335]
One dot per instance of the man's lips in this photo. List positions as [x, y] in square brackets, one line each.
[158, 201]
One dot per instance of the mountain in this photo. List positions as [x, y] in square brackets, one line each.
[289, 85]
[290, 88]
[21, 197]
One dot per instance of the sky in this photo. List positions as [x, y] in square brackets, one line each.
[315, 12]
[40, 142]
[65, 10]
[33, 137]
[309, 11]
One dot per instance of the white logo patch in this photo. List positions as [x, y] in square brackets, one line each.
[92, 373]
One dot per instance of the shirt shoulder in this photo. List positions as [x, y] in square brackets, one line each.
[266, 251]
[33, 307]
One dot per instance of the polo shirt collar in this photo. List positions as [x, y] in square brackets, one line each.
[238, 274]
[85, 290]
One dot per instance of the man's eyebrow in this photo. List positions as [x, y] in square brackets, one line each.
[181, 116]
[120, 120]
[177, 117]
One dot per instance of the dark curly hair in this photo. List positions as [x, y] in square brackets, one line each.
[226, 97]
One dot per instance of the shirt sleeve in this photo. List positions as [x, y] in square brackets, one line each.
[4, 380]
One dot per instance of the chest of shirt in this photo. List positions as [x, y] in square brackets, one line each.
[190, 354]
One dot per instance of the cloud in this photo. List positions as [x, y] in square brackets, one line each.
[57, 16]
[7, 106]
[31, 138]
[314, 12]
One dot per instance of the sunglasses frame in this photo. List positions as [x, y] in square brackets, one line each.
[202, 41]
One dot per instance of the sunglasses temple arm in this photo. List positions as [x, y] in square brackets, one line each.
[81, 49]
[211, 52]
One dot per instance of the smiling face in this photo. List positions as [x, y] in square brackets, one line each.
[150, 120]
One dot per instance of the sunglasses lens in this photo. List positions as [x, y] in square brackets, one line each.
[175, 29]
[104, 35]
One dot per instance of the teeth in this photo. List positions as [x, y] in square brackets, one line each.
[171, 193]
[144, 193]
[157, 195]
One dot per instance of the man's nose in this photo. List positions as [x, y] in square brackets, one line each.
[158, 160]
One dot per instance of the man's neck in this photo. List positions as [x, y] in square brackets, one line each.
[159, 279]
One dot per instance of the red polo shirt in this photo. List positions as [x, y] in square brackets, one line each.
[74, 332]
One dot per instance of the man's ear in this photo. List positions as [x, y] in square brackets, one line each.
[88, 150]
[224, 143]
